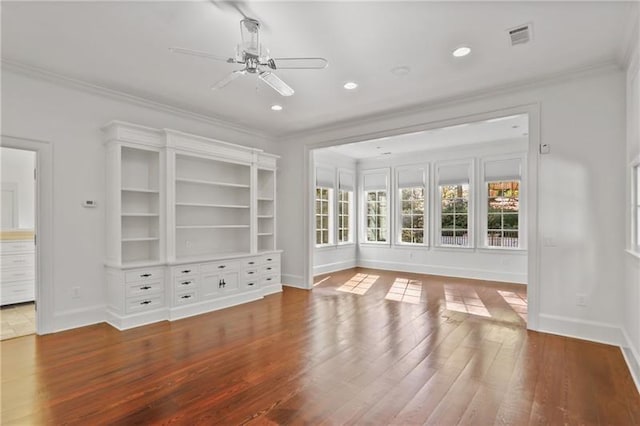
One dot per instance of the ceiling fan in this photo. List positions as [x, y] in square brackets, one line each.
[256, 61]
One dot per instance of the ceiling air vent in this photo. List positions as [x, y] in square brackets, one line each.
[521, 34]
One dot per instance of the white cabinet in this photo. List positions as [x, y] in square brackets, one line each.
[190, 224]
[17, 271]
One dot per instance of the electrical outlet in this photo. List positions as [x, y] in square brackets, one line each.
[75, 293]
[581, 299]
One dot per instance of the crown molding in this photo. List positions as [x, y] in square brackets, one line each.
[85, 86]
[631, 37]
[604, 67]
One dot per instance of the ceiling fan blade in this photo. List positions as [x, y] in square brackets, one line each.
[300, 63]
[276, 84]
[201, 54]
[228, 79]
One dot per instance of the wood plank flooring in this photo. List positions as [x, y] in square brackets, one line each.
[364, 347]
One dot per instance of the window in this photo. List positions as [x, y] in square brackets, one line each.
[503, 212]
[344, 216]
[454, 215]
[412, 215]
[376, 216]
[323, 215]
[375, 186]
[635, 214]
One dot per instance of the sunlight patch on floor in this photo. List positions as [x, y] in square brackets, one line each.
[358, 284]
[464, 300]
[517, 302]
[405, 290]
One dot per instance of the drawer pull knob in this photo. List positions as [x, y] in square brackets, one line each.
[186, 296]
[268, 279]
[269, 268]
[251, 284]
[222, 266]
[186, 271]
[145, 302]
[250, 272]
[251, 263]
[146, 287]
[269, 260]
[145, 275]
[186, 282]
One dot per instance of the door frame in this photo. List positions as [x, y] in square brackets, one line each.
[43, 227]
[532, 197]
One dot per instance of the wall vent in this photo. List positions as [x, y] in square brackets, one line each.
[521, 34]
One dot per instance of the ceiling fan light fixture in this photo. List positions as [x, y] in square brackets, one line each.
[350, 85]
[461, 51]
[276, 107]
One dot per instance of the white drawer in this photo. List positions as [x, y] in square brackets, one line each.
[251, 262]
[185, 270]
[251, 284]
[10, 247]
[184, 283]
[269, 280]
[17, 274]
[270, 259]
[17, 292]
[251, 274]
[147, 303]
[186, 297]
[270, 270]
[17, 260]
[143, 275]
[144, 288]
[223, 266]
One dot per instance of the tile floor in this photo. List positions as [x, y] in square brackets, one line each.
[17, 320]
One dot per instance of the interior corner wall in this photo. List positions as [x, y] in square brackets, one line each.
[583, 121]
[335, 257]
[70, 120]
[631, 290]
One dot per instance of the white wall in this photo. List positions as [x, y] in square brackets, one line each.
[477, 262]
[70, 119]
[631, 291]
[17, 167]
[335, 257]
[583, 120]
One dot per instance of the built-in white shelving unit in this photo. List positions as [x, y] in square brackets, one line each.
[190, 224]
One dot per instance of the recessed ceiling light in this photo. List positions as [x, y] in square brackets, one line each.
[401, 70]
[276, 107]
[350, 85]
[461, 51]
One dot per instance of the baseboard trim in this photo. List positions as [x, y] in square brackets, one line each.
[445, 271]
[296, 281]
[185, 311]
[74, 318]
[632, 358]
[335, 266]
[593, 331]
[271, 289]
[135, 320]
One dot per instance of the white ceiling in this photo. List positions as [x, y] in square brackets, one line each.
[123, 46]
[514, 127]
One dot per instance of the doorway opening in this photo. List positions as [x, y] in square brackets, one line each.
[17, 243]
[457, 202]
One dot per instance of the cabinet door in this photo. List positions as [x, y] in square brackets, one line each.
[230, 281]
[210, 284]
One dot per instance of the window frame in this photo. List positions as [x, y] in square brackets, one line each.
[363, 228]
[397, 237]
[350, 212]
[522, 203]
[437, 205]
[330, 220]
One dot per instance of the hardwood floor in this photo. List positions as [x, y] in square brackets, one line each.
[364, 347]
